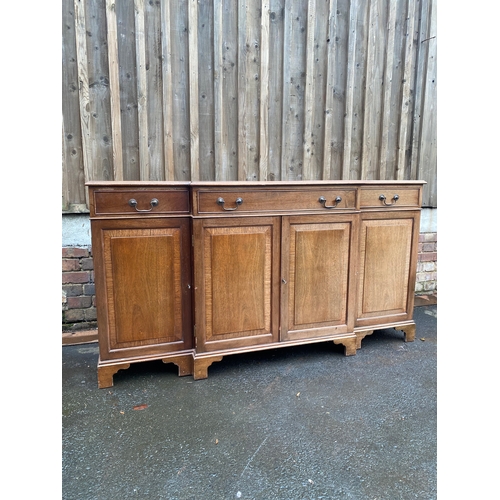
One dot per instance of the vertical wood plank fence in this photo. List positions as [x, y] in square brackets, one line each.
[247, 90]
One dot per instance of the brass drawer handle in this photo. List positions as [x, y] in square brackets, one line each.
[322, 199]
[383, 198]
[133, 203]
[220, 201]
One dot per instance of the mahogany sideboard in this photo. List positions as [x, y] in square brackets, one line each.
[188, 272]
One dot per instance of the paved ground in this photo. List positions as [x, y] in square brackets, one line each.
[291, 423]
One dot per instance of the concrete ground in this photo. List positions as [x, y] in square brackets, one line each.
[291, 423]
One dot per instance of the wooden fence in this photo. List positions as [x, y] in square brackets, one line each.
[248, 90]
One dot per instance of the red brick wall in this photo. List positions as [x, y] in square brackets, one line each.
[78, 289]
[427, 264]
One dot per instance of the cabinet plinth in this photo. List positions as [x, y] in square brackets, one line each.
[191, 272]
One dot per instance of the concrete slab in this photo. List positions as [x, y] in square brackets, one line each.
[426, 300]
[292, 423]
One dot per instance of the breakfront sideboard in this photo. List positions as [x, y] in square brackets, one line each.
[191, 272]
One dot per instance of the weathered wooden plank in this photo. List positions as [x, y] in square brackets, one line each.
[316, 71]
[64, 176]
[180, 89]
[387, 116]
[420, 82]
[99, 92]
[226, 90]
[410, 167]
[373, 92]
[404, 153]
[294, 61]
[125, 14]
[86, 123]
[428, 146]
[328, 130]
[114, 87]
[355, 88]
[193, 89]
[72, 150]
[309, 118]
[349, 106]
[319, 85]
[248, 89]
[220, 144]
[154, 81]
[206, 91]
[335, 103]
[264, 92]
[418, 91]
[142, 90]
[243, 50]
[392, 99]
[168, 98]
[275, 114]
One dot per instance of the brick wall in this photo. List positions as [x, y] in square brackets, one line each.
[78, 289]
[427, 264]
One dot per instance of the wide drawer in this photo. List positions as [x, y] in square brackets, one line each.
[140, 202]
[389, 196]
[224, 201]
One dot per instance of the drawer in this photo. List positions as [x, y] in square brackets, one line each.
[225, 201]
[140, 202]
[393, 196]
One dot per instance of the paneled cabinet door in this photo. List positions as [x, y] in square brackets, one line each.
[144, 285]
[387, 267]
[236, 282]
[316, 276]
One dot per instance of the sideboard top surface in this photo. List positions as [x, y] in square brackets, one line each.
[215, 184]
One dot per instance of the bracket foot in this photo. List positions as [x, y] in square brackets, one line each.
[201, 366]
[360, 336]
[349, 345]
[408, 330]
[183, 363]
[105, 374]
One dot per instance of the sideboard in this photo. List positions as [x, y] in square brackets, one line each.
[189, 272]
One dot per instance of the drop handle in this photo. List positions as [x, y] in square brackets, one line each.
[133, 203]
[220, 201]
[322, 200]
[382, 198]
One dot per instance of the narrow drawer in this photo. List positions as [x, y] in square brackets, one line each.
[225, 201]
[389, 196]
[140, 202]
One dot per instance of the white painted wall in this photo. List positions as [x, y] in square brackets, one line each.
[428, 220]
[76, 230]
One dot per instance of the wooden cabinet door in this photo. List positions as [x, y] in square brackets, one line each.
[316, 276]
[387, 267]
[236, 282]
[143, 285]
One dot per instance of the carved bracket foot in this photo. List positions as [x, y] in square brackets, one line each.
[201, 366]
[349, 345]
[105, 374]
[408, 330]
[183, 363]
[360, 336]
